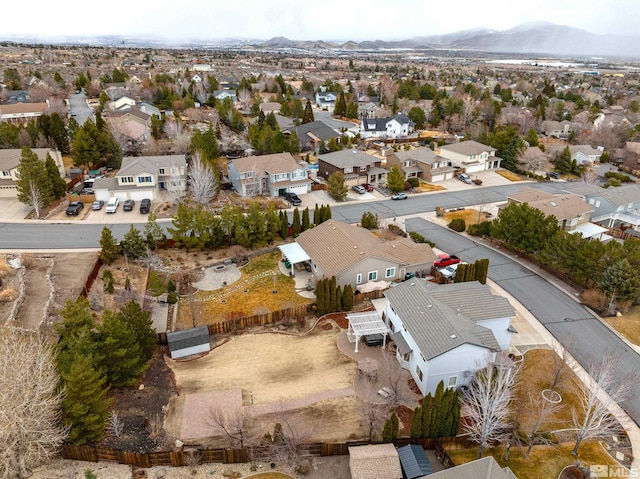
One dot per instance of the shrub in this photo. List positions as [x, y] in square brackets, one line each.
[618, 176]
[480, 229]
[172, 297]
[395, 229]
[369, 220]
[414, 182]
[612, 182]
[458, 225]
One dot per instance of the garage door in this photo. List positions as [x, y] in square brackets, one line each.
[140, 195]
[298, 190]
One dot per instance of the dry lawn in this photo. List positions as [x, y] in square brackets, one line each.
[544, 461]
[469, 215]
[429, 187]
[510, 175]
[121, 270]
[253, 293]
[628, 324]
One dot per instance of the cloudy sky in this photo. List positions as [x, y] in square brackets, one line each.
[307, 20]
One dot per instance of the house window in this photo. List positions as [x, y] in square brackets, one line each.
[419, 373]
[407, 357]
[372, 275]
[453, 380]
[6, 173]
[598, 204]
[389, 272]
[363, 168]
[358, 278]
[161, 171]
[126, 179]
[591, 201]
[348, 169]
[144, 179]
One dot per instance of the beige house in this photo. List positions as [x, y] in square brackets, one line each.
[421, 163]
[470, 156]
[22, 112]
[9, 160]
[356, 256]
[379, 461]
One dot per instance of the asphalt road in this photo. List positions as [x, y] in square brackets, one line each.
[582, 334]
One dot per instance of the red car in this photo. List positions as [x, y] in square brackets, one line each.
[367, 186]
[445, 260]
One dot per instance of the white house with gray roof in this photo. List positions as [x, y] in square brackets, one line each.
[470, 156]
[445, 332]
[398, 126]
[143, 177]
[9, 161]
[611, 205]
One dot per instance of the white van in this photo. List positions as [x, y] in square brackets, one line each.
[112, 205]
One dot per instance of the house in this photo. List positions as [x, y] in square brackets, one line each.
[611, 205]
[268, 175]
[557, 129]
[143, 177]
[19, 113]
[444, 332]
[398, 126]
[196, 78]
[313, 134]
[485, 468]
[357, 166]
[585, 154]
[121, 103]
[220, 95]
[270, 107]
[188, 342]
[367, 110]
[149, 109]
[356, 256]
[379, 461]
[15, 96]
[326, 100]
[421, 163]
[9, 161]
[470, 156]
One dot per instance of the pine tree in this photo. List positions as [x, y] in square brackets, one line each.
[85, 408]
[123, 358]
[426, 415]
[347, 298]
[338, 298]
[109, 250]
[332, 294]
[395, 426]
[142, 326]
[416, 423]
[133, 244]
[284, 225]
[316, 215]
[308, 113]
[33, 184]
[305, 219]
[58, 185]
[395, 179]
[296, 223]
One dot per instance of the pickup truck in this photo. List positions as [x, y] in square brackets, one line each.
[445, 260]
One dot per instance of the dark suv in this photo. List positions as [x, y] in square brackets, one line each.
[145, 206]
[293, 198]
[74, 208]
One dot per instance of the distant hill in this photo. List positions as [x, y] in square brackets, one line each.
[534, 37]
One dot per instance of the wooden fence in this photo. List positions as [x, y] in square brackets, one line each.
[319, 187]
[177, 458]
[91, 278]
[86, 199]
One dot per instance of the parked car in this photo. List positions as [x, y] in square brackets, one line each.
[464, 178]
[359, 189]
[292, 198]
[555, 175]
[97, 205]
[399, 196]
[112, 205]
[368, 186]
[74, 208]
[128, 205]
[445, 260]
[450, 271]
[145, 206]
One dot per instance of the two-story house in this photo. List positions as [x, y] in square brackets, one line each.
[9, 161]
[612, 206]
[585, 154]
[326, 100]
[398, 126]
[357, 166]
[143, 177]
[421, 163]
[571, 211]
[444, 332]
[356, 256]
[470, 156]
[268, 175]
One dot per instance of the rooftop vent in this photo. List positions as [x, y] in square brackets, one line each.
[453, 336]
[553, 203]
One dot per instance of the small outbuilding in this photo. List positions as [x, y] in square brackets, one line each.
[188, 342]
[378, 460]
[414, 462]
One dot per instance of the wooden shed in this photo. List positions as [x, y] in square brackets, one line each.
[189, 341]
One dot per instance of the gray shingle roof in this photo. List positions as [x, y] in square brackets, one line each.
[349, 159]
[187, 338]
[485, 468]
[10, 157]
[420, 155]
[436, 326]
[468, 148]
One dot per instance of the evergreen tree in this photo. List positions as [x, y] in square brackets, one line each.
[387, 431]
[563, 161]
[152, 231]
[123, 359]
[133, 244]
[284, 225]
[332, 294]
[316, 215]
[426, 415]
[395, 179]
[305, 219]
[327, 295]
[141, 325]
[347, 298]
[308, 113]
[109, 250]
[338, 298]
[33, 184]
[320, 298]
[336, 187]
[296, 223]
[58, 185]
[437, 412]
[416, 423]
[85, 408]
[326, 214]
[59, 133]
[395, 426]
[620, 281]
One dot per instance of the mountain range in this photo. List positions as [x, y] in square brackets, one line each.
[536, 37]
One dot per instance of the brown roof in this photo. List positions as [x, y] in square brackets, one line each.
[18, 108]
[379, 461]
[270, 164]
[528, 194]
[563, 207]
[335, 246]
[467, 148]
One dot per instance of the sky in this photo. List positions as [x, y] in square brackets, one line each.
[307, 20]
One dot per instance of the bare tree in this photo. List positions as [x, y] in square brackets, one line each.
[244, 96]
[233, 422]
[36, 198]
[599, 393]
[388, 89]
[202, 180]
[373, 413]
[175, 186]
[30, 427]
[115, 425]
[589, 176]
[487, 406]
[540, 408]
[394, 376]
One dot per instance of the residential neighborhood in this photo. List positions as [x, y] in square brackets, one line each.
[204, 248]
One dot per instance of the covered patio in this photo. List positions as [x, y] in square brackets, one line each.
[363, 324]
[294, 254]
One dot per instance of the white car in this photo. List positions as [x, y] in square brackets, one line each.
[450, 271]
[112, 205]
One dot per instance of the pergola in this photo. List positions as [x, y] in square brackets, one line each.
[294, 253]
[363, 324]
